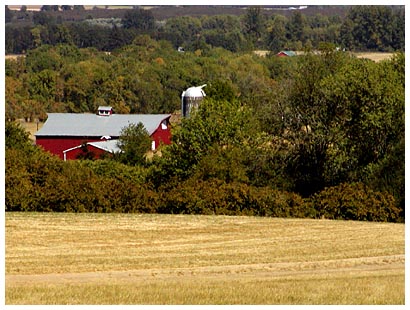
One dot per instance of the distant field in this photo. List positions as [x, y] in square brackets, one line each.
[184, 259]
[375, 56]
[87, 7]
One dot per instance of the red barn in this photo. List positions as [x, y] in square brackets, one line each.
[94, 149]
[286, 54]
[64, 132]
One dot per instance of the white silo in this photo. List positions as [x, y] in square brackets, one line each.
[191, 98]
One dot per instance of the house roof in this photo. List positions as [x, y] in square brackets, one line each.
[101, 107]
[92, 125]
[287, 53]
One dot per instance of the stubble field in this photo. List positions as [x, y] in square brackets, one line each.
[184, 259]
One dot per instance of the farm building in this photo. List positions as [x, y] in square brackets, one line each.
[286, 54]
[64, 134]
[96, 149]
[191, 99]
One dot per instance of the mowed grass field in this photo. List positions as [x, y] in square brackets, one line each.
[185, 259]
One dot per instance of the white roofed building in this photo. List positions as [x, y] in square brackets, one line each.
[64, 132]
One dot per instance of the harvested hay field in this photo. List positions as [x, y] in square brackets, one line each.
[376, 57]
[185, 259]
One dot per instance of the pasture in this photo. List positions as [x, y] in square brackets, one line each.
[64, 258]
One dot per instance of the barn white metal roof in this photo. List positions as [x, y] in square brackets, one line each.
[92, 125]
[108, 145]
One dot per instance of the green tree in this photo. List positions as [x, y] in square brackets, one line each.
[134, 142]
[45, 8]
[295, 27]
[398, 35]
[139, 19]
[277, 35]
[8, 14]
[182, 31]
[343, 118]
[43, 18]
[254, 24]
[214, 127]
[220, 90]
[66, 7]
[312, 124]
[371, 28]
[16, 136]
[16, 95]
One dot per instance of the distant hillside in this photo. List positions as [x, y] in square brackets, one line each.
[166, 11]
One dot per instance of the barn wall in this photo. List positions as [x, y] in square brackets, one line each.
[161, 135]
[56, 145]
[73, 154]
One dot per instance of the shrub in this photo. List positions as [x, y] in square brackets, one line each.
[278, 203]
[355, 201]
[214, 196]
[17, 179]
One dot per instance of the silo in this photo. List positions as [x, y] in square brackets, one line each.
[191, 98]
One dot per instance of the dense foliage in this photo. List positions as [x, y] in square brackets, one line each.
[378, 28]
[309, 151]
[316, 135]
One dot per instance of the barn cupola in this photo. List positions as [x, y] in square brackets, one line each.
[105, 111]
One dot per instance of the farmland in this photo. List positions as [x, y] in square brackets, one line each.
[65, 258]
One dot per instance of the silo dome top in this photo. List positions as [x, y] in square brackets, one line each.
[194, 92]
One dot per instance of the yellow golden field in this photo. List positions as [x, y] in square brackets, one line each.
[185, 259]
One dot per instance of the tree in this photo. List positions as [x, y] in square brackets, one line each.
[372, 28]
[43, 18]
[277, 35]
[49, 8]
[16, 94]
[374, 96]
[216, 127]
[16, 136]
[8, 14]
[295, 27]
[85, 152]
[344, 117]
[66, 7]
[139, 19]
[182, 30]
[254, 24]
[398, 36]
[316, 153]
[134, 142]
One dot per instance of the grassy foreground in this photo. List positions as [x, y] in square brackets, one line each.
[184, 259]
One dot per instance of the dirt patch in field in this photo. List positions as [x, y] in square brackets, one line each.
[360, 265]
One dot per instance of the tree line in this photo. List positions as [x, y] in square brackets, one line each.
[364, 28]
[317, 135]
